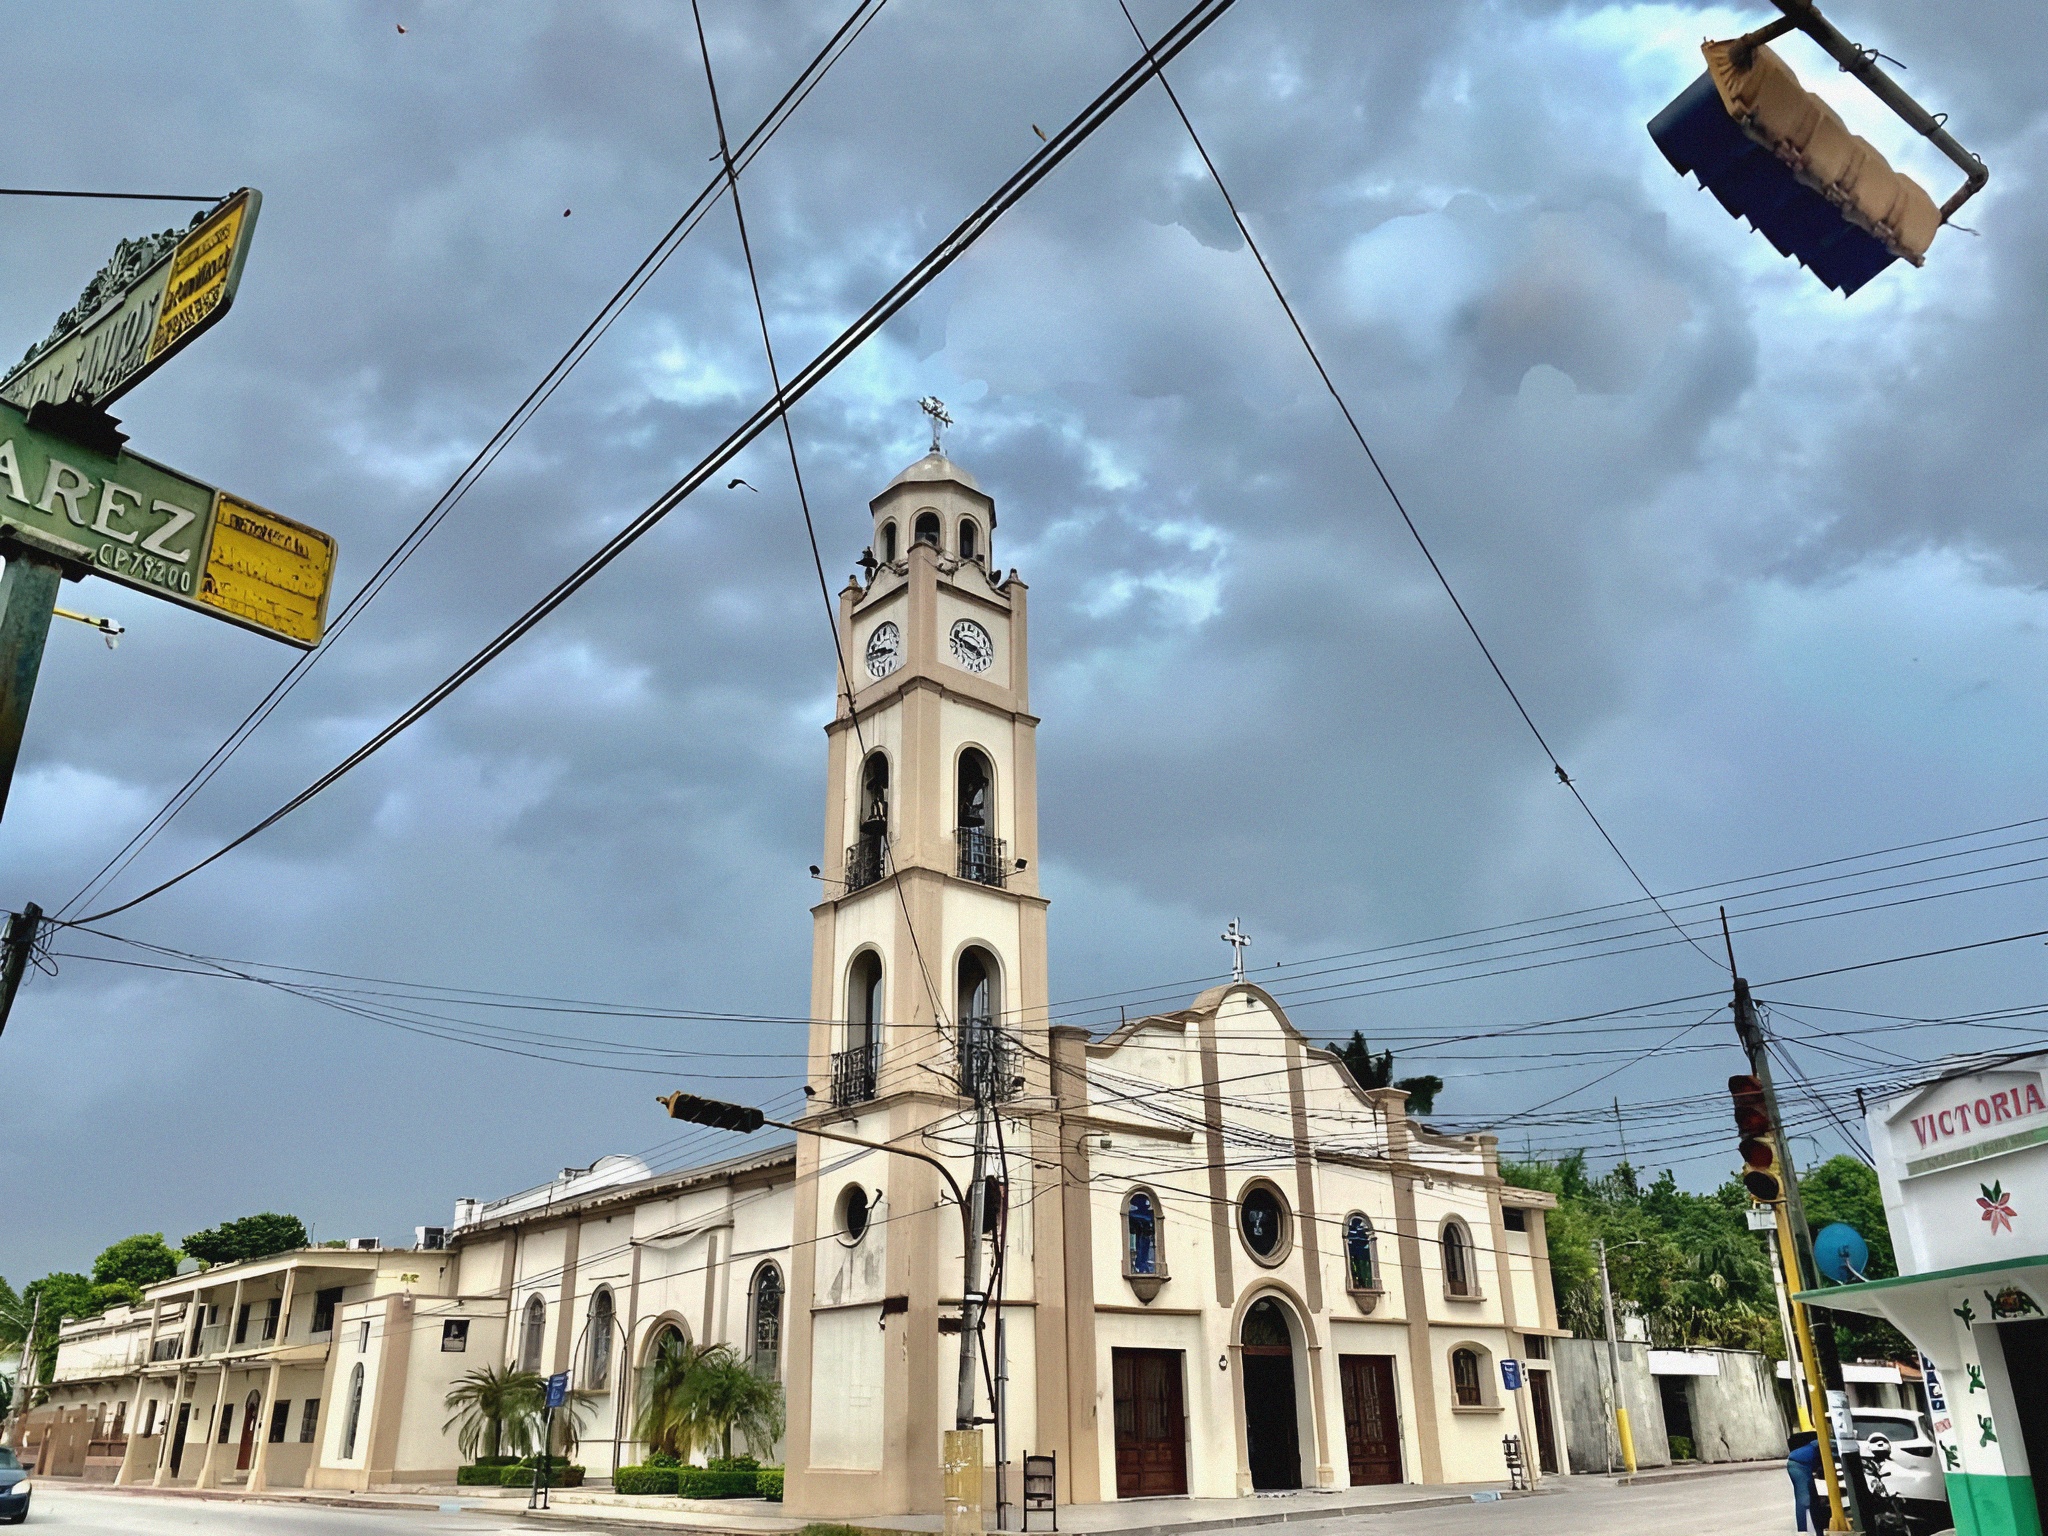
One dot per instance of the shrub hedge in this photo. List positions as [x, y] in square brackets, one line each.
[1681, 1448]
[768, 1483]
[489, 1474]
[561, 1473]
[644, 1479]
[704, 1483]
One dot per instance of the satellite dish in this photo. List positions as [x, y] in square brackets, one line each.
[1840, 1253]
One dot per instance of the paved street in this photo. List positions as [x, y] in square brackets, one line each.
[105, 1514]
[1737, 1504]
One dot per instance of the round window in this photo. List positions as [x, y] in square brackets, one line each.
[853, 1213]
[1263, 1220]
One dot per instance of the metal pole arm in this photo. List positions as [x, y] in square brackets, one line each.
[1862, 63]
[878, 1146]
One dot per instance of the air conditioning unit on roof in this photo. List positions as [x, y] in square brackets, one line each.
[364, 1244]
[430, 1238]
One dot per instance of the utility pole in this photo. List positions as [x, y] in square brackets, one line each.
[16, 948]
[21, 1377]
[1621, 1429]
[1817, 1345]
[979, 1063]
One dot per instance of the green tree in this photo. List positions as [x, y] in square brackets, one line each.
[247, 1237]
[1844, 1189]
[141, 1260]
[670, 1418]
[734, 1398]
[13, 1317]
[495, 1411]
[1376, 1070]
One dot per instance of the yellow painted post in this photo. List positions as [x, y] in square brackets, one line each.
[1802, 1325]
[1628, 1441]
[962, 1466]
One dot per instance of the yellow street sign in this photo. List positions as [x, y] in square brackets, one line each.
[268, 571]
[201, 276]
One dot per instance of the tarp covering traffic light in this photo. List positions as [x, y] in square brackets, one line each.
[1774, 153]
[1761, 1174]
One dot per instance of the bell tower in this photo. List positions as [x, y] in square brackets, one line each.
[928, 974]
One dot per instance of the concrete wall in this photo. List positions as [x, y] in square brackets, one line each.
[1581, 1382]
[1735, 1415]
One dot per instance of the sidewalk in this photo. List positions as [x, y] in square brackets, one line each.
[750, 1517]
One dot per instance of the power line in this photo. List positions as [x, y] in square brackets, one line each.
[955, 244]
[1414, 532]
[799, 90]
[117, 197]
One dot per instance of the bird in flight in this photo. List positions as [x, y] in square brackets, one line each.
[736, 481]
[401, 28]
[1041, 133]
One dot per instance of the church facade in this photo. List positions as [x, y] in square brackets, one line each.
[1213, 1264]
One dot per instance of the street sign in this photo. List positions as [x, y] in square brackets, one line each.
[1761, 1218]
[558, 1389]
[146, 526]
[152, 299]
[1511, 1375]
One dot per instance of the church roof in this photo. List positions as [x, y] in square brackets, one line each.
[936, 466]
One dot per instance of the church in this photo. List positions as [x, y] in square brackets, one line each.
[1212, 1263]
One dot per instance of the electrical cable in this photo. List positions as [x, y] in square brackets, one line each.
[1414, 532]
[765, 130]
[955, 244]
[117, 197]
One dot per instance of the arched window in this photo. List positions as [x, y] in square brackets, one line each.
[668, 1339]
[1265, 1327]
[970, 539]
[599, 1365]
[864, 1008]
[1457, 1260]
[1141, 1230]
[766, 1341]
[985, 1064]
[981, 853]
[533, 1334]
[977, 988]
[1359, 1269]
[355, 1413]
[866, 860]
[1467, 1379]
[976, 778]
[926, 529]
[889, 543]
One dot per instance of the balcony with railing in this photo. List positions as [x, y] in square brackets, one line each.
[167, 1349]
[866, 862]
[988, 1061]
[984, 859]
[854, 1074]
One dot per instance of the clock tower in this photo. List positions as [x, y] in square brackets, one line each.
[928, 969]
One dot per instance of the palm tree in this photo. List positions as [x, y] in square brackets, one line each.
[497, 1409]
[734, 1397]
[669, 1419]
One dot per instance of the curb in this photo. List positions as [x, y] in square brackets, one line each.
[1721, 1469]
[229, 1496]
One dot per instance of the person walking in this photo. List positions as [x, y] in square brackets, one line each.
[1803, 1467]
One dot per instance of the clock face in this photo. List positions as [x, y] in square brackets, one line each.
[885, 650]
[972, 647]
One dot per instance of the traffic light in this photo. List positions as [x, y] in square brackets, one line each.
[1761, 1175]
[715, 1113]
[1775, 153]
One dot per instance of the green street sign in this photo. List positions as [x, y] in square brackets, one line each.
[146, 526]
[152, 299]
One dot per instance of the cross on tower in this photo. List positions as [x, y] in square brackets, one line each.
[935, 408]
[1237, 939]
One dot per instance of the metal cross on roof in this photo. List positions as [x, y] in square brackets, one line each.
[935, 408]
[1237, 939]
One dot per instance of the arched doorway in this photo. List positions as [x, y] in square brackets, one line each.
[1272, 1434]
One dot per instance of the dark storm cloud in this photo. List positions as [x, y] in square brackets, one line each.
[1762, 563]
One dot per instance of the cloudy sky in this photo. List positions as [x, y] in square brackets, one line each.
[1765, 565]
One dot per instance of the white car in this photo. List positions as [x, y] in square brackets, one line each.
[1911, 1462]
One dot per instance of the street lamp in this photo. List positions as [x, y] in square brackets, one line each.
[1628, 1444]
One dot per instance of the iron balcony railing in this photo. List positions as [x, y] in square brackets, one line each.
[854, 1073]
[983, 858]
[988, 1061]
[866, 862]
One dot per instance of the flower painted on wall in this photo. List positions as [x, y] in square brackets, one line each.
[1996, 1206]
